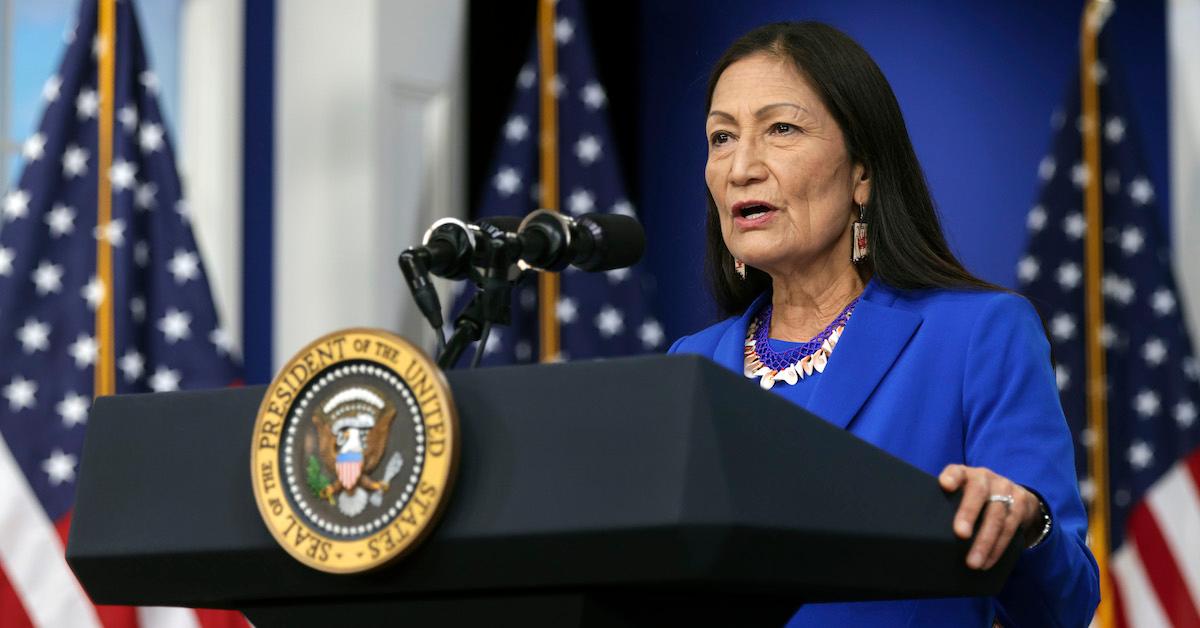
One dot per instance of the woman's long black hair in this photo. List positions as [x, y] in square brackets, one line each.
[907, 247]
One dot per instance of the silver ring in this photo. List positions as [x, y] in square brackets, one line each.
[1007, 500]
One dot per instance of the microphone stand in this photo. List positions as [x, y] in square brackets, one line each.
[491, 304]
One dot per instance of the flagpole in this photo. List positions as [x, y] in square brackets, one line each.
[548, 282]
[105, 373]
[1097, 389]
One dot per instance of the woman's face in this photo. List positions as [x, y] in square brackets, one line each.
[784, 185]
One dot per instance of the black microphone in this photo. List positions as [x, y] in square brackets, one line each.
[592, 242]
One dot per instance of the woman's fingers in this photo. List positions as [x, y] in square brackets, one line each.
[952, 477]
[975, 492]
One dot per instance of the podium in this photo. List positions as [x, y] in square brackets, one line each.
[644, 491]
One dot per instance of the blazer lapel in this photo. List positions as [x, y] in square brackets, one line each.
[874, 337]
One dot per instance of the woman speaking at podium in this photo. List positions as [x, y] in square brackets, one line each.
[825, 250]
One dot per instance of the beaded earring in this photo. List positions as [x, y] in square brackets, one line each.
[858, 243]
[739, 267]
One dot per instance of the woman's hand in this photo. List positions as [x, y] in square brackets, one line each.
[999, 523]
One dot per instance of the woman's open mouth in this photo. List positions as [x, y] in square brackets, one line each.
[752, 213]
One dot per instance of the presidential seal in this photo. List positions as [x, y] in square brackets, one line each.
[354, 451]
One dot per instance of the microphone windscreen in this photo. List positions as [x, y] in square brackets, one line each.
[620, 241]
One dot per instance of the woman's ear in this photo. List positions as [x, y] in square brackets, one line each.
[862, 184]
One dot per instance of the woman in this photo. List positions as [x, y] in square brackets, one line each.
[825, 248]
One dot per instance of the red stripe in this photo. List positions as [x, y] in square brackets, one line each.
[12, 611]
[1161, 569]
[1193, 465]
[210, 618]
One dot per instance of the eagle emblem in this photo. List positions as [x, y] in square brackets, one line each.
[352, 435]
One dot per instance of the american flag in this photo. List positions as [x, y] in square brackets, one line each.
[167, 335]
[599, 314]
[1153, 432]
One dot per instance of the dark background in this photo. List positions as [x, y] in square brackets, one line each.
[978, 83]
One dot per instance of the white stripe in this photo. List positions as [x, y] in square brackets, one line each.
[33, 556]
[1142, 608]
[1175, 503]
[167, 617]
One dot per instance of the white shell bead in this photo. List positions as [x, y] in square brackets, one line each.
[789, 374]
[820, 359]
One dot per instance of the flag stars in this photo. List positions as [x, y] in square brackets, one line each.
[624, 208]
[650, 333]
[1062, 326]
[1162, 302]
[494, 341]
[526, 77]
[1062, 377]
[1140, 191]
[1146, 403]
[113, 232]
[132, 365]
[1028, 269]
[87, 103]
[223, 340]
[61, 220]
[1068, 275]
[1087, 489]
[149, 80]
[73, 409]
[564, 31]
[616, 275]
[83, 351]
[51, 89]
[47, 278]
[1132, 240]
[1154, 351]
[522, 350]
[16, 204]
[1118, 288]
[59, 467]
[164, 380]
[1185, 414]
[21, 393]
[1108, 335]
[6, 261]
[184, 266]
[588, 149]
[593, 95]
[34, 148]
[1080, 175]
[128, 117]
[609, 322]
[581, 201]
[1074, 225]
[122, 174]
[567, 310]
[1099, 72]
[93, 293]
[1036, 219]
[141, 253]
[175, 325]
[1140, 455]
[34, 336]
[137, 309]
[1114, 130]
[1047, 168]
[74, 162]
[557, 85]
[150, 137]
[143, 197]
[507, 182]
[1191, 368]
[516, 129]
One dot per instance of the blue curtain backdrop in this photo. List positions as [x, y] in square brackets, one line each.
[978, 83]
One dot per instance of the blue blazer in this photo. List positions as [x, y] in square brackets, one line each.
[938, 377]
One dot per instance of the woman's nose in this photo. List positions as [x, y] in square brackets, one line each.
[747, 166]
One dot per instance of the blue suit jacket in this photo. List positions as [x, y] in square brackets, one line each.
[938, 377]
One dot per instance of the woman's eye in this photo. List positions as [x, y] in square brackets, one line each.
[718, 138]
[783, 128]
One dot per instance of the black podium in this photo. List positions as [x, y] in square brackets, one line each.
[644, 491]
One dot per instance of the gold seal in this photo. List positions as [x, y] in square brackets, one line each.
[355, 449]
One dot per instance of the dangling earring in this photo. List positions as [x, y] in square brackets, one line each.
[858, 243]
[739, 267]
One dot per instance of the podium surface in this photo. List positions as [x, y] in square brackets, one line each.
[614, 492]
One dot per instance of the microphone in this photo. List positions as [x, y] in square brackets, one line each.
[450, 245]
[592, 242]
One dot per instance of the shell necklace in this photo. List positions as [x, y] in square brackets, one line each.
[794, 364]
